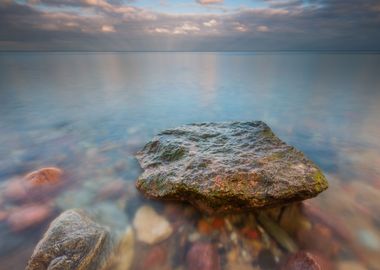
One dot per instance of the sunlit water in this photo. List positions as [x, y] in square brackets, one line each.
[88, 113]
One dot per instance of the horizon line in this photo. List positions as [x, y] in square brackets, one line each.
[194, 51]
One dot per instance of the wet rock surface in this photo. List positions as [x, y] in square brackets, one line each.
[224, 167]
[73, 241]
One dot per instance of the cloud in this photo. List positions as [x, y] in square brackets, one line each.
[108, 29]
[240, 27]
[209, 2]
[262, 28]
[186, 28]
[162, 30]
[210, 23]
[281, 25]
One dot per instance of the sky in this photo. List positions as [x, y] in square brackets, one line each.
[189, 25]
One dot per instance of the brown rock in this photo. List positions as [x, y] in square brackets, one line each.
[49, 175]
[203, 256]
[28, 216]
[72, 241]
[242, 163]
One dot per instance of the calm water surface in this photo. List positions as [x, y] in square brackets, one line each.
[88, 113]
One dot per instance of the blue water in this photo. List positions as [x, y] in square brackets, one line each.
[56, 106]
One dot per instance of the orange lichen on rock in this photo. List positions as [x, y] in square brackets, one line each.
[49, 175]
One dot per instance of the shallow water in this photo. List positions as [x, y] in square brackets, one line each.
[88, 113]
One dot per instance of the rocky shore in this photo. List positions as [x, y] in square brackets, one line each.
[247, 231]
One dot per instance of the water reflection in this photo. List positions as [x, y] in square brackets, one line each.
[88, 113]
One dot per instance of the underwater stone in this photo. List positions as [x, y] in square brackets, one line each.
[151, 227]
[72, 241]
[226, 167]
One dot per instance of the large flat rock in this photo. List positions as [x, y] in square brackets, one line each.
[225, 167]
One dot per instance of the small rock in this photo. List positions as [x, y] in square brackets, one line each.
[3, 215]
[20, 190]
[204, 227]
[350, 265]
[155, 258]
[16, 189]
[218, 223]
[203, 256]
[303, 260]
[194, 237]
[232, 256]
[28, 216]
[49, 175]
[122, 257]
[250, 233]
[72, 241]
[151, 227]
[319, 238]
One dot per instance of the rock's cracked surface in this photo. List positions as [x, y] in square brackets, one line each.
[225, 167]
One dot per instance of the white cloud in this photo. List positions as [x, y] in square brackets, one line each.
[186, 28]
[262, 28]
[161, 30]
[240, 27]
[108, 29]
[208, 2]
[210, 23]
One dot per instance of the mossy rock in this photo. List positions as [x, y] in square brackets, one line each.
[226, 167]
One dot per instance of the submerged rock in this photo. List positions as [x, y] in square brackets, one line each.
[27, 216]
[224, 167]
[151, 227]
[304, 260]
[203, 256]
[49, 175]
[72, 241]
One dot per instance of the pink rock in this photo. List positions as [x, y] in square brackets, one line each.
[49, 175]
[16, 189]
[319, 239]
[27, 216]
[333, 222]
[203, 256]
[155, 258]
[3, 215]
[303, 260]
[34, 187]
